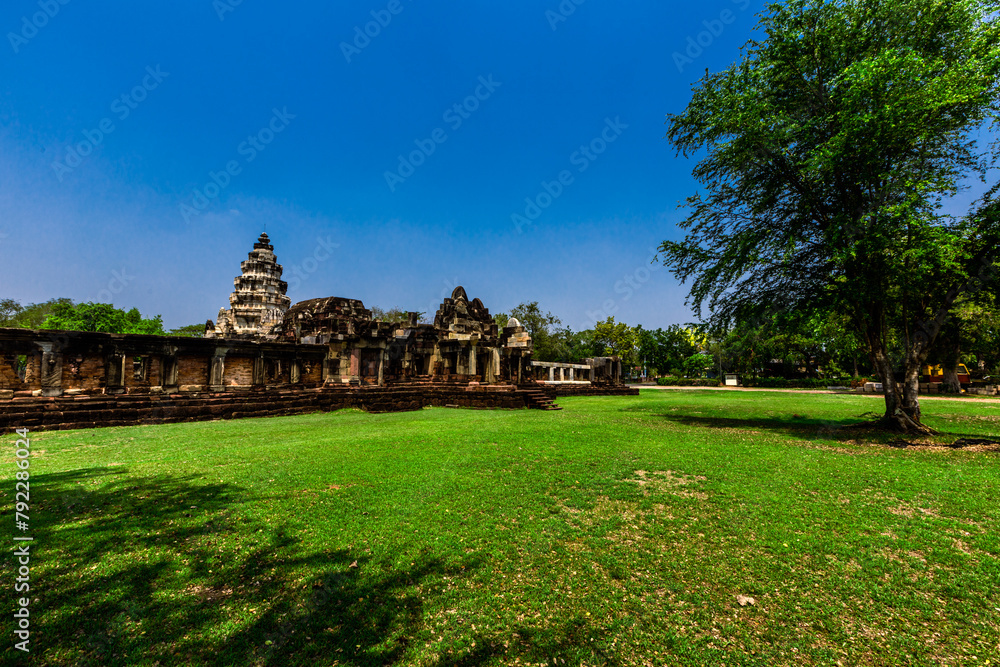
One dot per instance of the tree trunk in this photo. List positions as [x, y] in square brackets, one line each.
[952, 356]
[902, 405]
[949, 381]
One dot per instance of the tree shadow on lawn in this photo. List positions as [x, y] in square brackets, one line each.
[862, 428]
[130, 571]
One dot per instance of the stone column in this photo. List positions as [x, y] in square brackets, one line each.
[472, 360]
[216, 371]
[571, 374]
[381, 366]
[491, 376]
[259, 378]
[552, 373]
[355, 369]
[51, 370]
[295, 372]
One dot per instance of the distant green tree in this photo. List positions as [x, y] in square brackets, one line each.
[13, 314]
[697, 365]
[9, 310]
[393, 315]
[189, 331]
[540, 327]
[101, 317]
[663, 351]
[573, 347]
[618, 338]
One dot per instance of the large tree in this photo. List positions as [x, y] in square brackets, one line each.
[829, 147]
[618, 339]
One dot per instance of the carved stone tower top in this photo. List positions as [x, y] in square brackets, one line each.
[259, 300]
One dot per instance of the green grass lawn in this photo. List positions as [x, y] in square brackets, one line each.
[619, 531]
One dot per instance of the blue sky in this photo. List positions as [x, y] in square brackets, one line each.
[142, 149]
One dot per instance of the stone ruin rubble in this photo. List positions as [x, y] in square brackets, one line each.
[266, 356]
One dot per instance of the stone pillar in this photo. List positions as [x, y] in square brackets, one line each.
[494, 370]
[295, 372]
[472, 360]
[216, 371]
[259, 378]
[571, 375]
[355, 363]
[552, 373]
[381, 366]
[51, 370]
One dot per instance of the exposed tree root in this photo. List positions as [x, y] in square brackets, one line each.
[902, 422]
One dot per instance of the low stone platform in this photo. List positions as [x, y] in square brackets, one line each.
[38, 413]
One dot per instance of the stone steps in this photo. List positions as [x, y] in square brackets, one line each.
[537, 400]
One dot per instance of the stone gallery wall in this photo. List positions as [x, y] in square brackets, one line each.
[89, 411]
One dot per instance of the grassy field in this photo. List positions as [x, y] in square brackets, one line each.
[672, 528]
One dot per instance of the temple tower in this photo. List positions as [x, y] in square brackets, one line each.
[259, 300]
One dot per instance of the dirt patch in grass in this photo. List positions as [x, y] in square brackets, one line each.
[208, 593]
[668, 481]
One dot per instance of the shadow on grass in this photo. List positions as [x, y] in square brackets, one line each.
[172, 570]
[863, 427]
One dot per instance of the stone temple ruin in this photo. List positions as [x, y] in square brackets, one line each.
[259, 300]
[264, 356]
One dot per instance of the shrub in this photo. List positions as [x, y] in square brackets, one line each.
[671, 381]
[800, 383]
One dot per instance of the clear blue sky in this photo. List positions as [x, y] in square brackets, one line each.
[184, 87]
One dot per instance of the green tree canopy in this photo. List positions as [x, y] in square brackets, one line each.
[618, 339]
[828, 149]
[190, 331]
[394, 314]
[102, 317]
[540, 326]
[13, 314]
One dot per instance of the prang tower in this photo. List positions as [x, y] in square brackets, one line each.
[259, 300]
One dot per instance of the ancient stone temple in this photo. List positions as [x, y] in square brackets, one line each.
[258, 301]
[266, 358]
